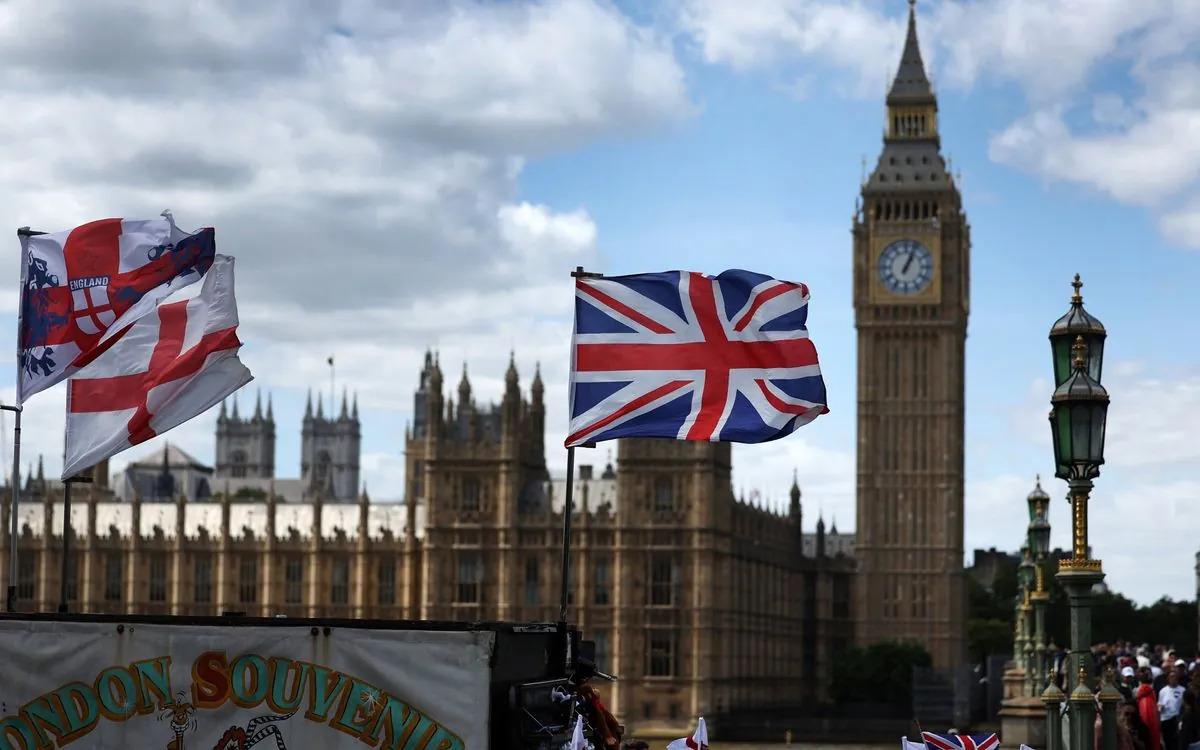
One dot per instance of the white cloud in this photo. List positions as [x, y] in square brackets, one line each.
[762, 33]
[345, 171]
[1141, 151]
[1142, 517]
[1182, 226]
[361, 160]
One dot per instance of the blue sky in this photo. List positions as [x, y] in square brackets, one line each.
[645, 137]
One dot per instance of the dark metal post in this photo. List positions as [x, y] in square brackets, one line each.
[1053, 698]
[564, 594]
[66, 546]
[14, 559]
[568, 511]
[66, 536]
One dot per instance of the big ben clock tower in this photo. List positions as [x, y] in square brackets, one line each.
[911, 301]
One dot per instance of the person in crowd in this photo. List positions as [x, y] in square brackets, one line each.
[1128, 684]
[1132, 732]
[1189, 728]
[1170, 703]
[1147, 703]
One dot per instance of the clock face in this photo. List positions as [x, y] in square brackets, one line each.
[906, 267]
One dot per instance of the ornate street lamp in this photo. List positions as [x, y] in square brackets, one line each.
[1026, 571]
[1064, 334]
[1039, 542]
[1026, 574]
[1077, 322]
[1078, 420]
[1039, 522]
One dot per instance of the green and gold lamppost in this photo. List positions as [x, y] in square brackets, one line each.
[1026, 576]
[1039, 543]
[1078, 420]
[1019, 613]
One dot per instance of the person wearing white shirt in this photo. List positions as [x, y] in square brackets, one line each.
[1170, 700]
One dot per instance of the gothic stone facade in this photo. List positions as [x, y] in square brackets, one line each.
[703, 604]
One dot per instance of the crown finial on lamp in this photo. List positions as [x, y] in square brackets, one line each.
[1077, 284]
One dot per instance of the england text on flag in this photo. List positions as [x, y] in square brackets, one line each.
[82, 287]
[935, 741]
[168, 367]
[692, 357]
[698, 740]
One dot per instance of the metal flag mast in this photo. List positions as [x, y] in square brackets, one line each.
[568, 511]
[23, 234]
[66, 534]
[332, 389]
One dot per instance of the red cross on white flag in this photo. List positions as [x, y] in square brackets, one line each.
[168, 367]
[698, 740]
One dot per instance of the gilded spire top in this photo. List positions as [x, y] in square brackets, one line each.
[1080, 349]
[1077, 298]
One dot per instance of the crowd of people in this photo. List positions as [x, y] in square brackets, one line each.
[1160, 692]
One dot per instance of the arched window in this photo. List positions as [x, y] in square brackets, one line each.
[664, 494]
[323, 468]
[238, 459]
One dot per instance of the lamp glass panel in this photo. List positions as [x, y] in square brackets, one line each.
[1081, 433]
[1095, 355]
[1099, 423]
[1060, 349]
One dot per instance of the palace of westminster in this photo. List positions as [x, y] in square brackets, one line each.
[702, 603]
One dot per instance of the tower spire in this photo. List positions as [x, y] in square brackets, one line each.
[911, 84]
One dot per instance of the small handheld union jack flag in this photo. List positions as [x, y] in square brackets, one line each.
[687, 356]
[935, 741]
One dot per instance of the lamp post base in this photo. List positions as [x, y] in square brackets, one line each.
[1078, 577]
[1023, 722]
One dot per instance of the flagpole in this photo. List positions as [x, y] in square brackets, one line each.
[564, 594]
[332, 391]
[14, 560]
[66, 536]
[568, 511]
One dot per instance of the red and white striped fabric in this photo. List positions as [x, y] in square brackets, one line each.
[698, 740]
[169, 367]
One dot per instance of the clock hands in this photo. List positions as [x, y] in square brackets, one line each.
[912, 253]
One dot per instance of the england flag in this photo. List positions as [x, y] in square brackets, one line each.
[169, 367]
[81, 288]
[698, 740]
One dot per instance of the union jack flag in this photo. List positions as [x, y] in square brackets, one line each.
[687, 356]
[935, 741]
